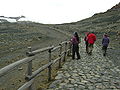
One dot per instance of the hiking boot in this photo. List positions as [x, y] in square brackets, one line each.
[73, 58]
[90, 53]
[78, 58]
[104, 54]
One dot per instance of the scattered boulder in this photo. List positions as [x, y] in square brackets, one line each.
[118, 33]
[20, 68]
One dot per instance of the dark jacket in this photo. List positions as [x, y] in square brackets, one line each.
[105, 41]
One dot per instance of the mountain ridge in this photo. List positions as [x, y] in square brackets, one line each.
[116, 7]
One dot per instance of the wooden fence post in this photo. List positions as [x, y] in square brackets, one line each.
[70, 49]
[68, 52]
[49, 68]
[65, 52]
[60, 55]
[29, 73]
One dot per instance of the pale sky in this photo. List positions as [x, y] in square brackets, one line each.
[54, 11]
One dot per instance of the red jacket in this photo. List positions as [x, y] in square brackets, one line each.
[91, 38]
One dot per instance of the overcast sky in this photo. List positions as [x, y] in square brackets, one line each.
[54, 11]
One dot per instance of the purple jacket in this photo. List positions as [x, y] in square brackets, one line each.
[105, 41]
[74, 40]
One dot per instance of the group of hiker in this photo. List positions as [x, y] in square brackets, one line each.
[89, 39]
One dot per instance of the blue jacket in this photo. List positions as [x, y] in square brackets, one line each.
[105, 41]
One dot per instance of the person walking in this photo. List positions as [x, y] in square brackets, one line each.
[91, 40]
[105, 43]
[75, 45]
[86, 41]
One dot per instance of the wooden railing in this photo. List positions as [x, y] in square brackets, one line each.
[31, 56]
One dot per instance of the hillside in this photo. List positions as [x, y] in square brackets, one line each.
[100, 23]
[15, 37]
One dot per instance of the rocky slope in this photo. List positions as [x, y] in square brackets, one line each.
[16, 37]
[14, 40]
[100, 23]
[116, 7]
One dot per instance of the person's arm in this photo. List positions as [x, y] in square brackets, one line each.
[94, 38]
[108, 40]
[85, 38]
[72, 40]
[102, 40]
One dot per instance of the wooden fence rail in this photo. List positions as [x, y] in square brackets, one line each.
[6, 69]
[30, 57]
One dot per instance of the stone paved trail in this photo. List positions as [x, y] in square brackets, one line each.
[93, 72]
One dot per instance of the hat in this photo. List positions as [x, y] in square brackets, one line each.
[74, 33]
[105, 34]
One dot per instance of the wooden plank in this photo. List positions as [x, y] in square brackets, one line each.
[63, 42]
[6, 69]
[53, 62]
[35, 73]
[68, 42]
[26, 85]
[49, 67]
[40, 50]
[29, 64]
[63, 53]
[60, 56]
[65, 49]
[68, 50]
[55, 48]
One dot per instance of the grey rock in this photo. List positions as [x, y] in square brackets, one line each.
[55, 83]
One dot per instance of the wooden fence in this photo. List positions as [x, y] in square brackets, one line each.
[64, 49]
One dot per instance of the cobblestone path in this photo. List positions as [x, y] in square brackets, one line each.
[94, 72]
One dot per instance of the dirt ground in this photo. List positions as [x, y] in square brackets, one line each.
[16, 77]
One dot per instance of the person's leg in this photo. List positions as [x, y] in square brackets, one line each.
[73, 52]
[77, 52]
[90, 48]
[104, 51]
[87, 47]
